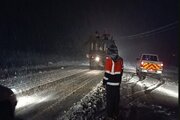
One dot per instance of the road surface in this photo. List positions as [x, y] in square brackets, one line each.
[49, 94]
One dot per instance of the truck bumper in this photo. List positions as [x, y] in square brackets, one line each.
[151, 71]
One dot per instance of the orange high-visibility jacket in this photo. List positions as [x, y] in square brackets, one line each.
[113, 71]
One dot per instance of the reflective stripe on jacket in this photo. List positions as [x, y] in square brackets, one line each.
[113, 71]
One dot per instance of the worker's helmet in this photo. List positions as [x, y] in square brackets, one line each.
[111, 47]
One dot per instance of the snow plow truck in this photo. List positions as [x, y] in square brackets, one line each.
[97, 50]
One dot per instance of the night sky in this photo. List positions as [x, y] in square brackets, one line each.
[63, 26]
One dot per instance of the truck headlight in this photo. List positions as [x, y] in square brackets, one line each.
[97, 59]
[159, 71]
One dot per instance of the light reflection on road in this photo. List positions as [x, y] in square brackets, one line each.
[25, 101]
[158, 91]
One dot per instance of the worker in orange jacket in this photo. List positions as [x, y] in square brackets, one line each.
[112, 79]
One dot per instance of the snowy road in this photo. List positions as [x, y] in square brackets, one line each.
[152, 90]
[48, 95]
[149, 98]
[47, 101]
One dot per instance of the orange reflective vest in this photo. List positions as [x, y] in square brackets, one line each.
[113, 71]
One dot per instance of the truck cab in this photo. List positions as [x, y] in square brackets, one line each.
[97, 50]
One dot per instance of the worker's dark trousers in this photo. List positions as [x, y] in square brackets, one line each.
[113, 99]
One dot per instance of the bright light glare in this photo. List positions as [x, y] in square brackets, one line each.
[162, 89]
[159, 71]
[28, 100]
[97, 59]
[168, 92]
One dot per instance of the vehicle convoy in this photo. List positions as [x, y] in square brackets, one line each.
[149, 64]
[97, 50]
[8, 103]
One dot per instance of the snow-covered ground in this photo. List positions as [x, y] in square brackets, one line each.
[91, 106]
[78, 111]
[24, 70]
[88, 106]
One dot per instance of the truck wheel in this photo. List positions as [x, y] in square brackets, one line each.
[141, 75]
[158, 76]
[91, 64]
[137, 72]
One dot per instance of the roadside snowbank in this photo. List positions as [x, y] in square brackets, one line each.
[88, 107]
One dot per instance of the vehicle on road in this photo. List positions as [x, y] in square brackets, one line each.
[8, 103]
[149, 64]
[97, 50]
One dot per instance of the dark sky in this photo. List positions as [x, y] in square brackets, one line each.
[62, 26]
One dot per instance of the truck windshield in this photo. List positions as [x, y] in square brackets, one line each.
[149, 57]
